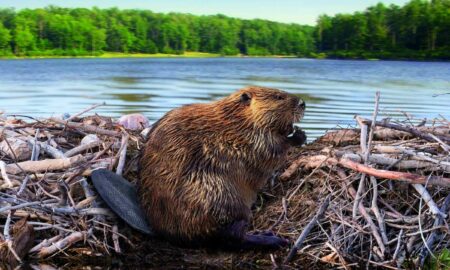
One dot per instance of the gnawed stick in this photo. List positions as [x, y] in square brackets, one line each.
[44, 165]
[87, 128]
[61, 244]
[307, 229]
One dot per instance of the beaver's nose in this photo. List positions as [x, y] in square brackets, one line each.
[301, 104]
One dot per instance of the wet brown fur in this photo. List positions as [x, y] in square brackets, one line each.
[204, 163]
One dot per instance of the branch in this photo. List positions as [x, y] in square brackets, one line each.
[307, 229]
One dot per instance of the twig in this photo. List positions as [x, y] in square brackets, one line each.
[87, 128]
[85, 111]
[307, 229]
[369, 221]
[45, 243]
[5, 174]
[397, 247]
[122, 154]
[429, 200]
[410, 130]
[376, 210]
[434, 235]
[61, 244]
[366, 151]
[361, 185]
[81, 148]
[443, 144]
[44, 165]
[115, 238]
[36, 148]
[23, 185]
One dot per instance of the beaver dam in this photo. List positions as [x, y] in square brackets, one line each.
[376, 195]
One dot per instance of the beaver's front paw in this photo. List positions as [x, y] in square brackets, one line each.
[298, 137]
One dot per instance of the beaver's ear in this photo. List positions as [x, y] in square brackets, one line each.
[245, 98]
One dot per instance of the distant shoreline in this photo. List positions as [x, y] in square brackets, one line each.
[107, 55]
[116, 55]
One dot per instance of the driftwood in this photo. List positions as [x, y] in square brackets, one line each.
[44, 165]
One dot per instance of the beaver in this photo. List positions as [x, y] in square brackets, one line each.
[203, 165]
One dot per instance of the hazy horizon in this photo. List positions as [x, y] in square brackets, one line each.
[290, 11]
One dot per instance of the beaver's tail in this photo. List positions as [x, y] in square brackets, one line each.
[121, 197]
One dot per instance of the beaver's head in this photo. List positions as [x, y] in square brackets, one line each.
[271, 109]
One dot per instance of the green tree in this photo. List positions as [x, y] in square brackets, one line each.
[5, 38]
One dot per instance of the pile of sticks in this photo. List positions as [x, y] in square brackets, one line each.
[376, 195]
[45, 190]
[383, 193]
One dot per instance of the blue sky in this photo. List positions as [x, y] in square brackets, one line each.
[296, 11]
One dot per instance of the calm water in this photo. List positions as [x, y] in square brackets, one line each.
[334, 90]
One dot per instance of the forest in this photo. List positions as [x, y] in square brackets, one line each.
[418, 30]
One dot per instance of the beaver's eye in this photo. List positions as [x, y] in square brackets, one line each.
[245, 97]
[279, 97]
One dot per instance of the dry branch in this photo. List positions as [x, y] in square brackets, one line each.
[45, 165]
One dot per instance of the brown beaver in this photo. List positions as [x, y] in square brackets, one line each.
[203, 164]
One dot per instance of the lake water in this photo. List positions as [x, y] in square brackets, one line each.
[334, 90]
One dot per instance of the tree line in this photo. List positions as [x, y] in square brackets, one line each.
[78, 31]
[419, 29]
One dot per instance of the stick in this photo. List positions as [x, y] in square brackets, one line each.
[369, 221]
[410, 130]
[81, 148]
[122, 154]
[36, 150]
[402, 176]
[3, 171]
[423, 192]
[366, 151]
[85, 111]
[443, 144]
[44, 243]
[61, 244]
[307, 229]
[434, 235]
[23, 185]
[115, 238]
[87, 128]
[323, 160]
[376, 210]
[44, 165]
[361, 185]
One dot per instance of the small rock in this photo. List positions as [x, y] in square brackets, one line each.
[135, 121]
[89, 139]
[65, 116]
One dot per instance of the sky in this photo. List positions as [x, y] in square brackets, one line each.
[288, 11]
